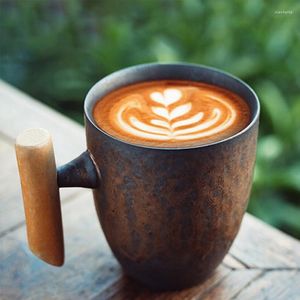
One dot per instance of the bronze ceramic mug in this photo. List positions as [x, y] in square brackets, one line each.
[169, 215]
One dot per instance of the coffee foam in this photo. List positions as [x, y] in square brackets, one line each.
[171, 113]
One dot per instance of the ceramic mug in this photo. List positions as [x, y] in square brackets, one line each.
[169, 215]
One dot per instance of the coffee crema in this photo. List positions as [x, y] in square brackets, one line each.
[171, 113]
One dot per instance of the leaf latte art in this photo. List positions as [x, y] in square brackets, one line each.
[171, 113]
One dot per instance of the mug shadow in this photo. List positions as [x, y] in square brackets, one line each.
[127, 288]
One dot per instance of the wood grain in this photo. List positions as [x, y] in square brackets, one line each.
[89, 266]
[276, 284]
[12, 212]
[259, 245]
[37, 169]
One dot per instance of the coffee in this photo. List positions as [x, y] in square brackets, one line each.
[171, 113]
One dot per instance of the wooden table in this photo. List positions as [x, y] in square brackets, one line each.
[263, 263]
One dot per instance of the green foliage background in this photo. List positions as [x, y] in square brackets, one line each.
[55, 51]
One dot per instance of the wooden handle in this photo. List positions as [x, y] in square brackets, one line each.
[37, 170]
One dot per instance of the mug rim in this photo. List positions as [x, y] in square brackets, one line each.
[89, 102]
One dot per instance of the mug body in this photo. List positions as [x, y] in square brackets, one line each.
[170, 215]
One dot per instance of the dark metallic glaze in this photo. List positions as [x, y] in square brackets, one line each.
[80, 172]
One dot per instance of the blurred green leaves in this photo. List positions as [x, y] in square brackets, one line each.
[275, 108]
[55, 50]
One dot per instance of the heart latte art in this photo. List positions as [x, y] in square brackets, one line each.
[171, 113]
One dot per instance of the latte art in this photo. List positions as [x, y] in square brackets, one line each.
[168, 121]
[167, 113]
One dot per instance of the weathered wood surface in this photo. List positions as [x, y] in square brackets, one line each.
[263, 263]
[18, 112]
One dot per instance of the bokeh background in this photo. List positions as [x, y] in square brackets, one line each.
[56, 50]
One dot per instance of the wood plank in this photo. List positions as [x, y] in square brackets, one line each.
[232, 285]
[12, 212]
[19, 111]
[279, 285]
[259, 245]
[89, 266]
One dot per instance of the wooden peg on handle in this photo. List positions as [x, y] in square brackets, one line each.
[40, 191]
